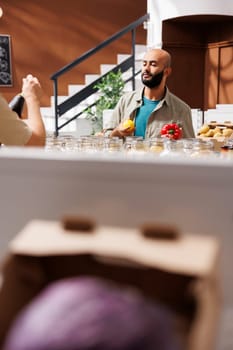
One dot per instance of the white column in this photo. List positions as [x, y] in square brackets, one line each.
[154, 25]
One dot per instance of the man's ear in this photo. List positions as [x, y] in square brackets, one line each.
[168, 71]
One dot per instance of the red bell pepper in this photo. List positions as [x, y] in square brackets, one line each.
[172, 131]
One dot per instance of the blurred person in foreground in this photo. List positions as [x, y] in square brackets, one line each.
[23, 132]
[154, 105]
[89, 313]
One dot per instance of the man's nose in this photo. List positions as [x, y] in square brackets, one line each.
[146, 68]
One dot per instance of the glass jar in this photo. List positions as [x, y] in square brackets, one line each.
[172, 148]
[85, 144]
[156, 145]
[227, 148]
[130, 142]
[54, 143]
[138, 145]
[228, 145]
[113, 144]
[202, 148]
[189, 145]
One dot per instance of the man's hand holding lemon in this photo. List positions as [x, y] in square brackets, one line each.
[125, 128]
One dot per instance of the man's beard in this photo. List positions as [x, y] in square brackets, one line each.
[154, 81]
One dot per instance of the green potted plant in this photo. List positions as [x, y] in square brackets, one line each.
[109, 91]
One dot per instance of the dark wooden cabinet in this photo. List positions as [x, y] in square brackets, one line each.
[202, 58]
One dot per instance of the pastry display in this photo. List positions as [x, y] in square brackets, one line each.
[216, 130]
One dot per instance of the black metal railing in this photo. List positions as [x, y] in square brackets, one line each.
[87, 91]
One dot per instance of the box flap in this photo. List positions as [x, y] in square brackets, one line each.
[189, 254]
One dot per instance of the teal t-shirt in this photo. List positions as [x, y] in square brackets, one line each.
[143, 115]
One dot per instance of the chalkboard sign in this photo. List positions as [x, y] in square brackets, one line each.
[5, 61]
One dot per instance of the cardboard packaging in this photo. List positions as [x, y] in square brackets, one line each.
[225, 131]
[218, 142]
[180, 272]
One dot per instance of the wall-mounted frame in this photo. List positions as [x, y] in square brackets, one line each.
[5, 61]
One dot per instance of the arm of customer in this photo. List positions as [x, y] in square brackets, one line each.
[23, 132]
[32, 93]
[121, 131]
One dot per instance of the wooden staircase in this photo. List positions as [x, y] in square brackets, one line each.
[82, 126]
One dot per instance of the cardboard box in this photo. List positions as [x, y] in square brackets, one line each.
[181, 272]
[218, 141]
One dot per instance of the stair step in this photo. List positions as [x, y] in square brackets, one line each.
[79, 126]
[139, 53]
[47, 111]
[122, 57]
[60, 99]
[140, 50]
[105, 68]
[74, 88]
[89, 78]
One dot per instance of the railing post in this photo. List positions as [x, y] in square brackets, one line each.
[133, 41]
[55, 92]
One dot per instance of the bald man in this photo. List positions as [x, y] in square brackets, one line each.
[154, 105]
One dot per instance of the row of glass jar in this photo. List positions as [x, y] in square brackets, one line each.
[159, 146]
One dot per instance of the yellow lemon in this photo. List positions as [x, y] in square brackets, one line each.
[128, 124]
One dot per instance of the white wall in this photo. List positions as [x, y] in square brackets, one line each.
[164, 9]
